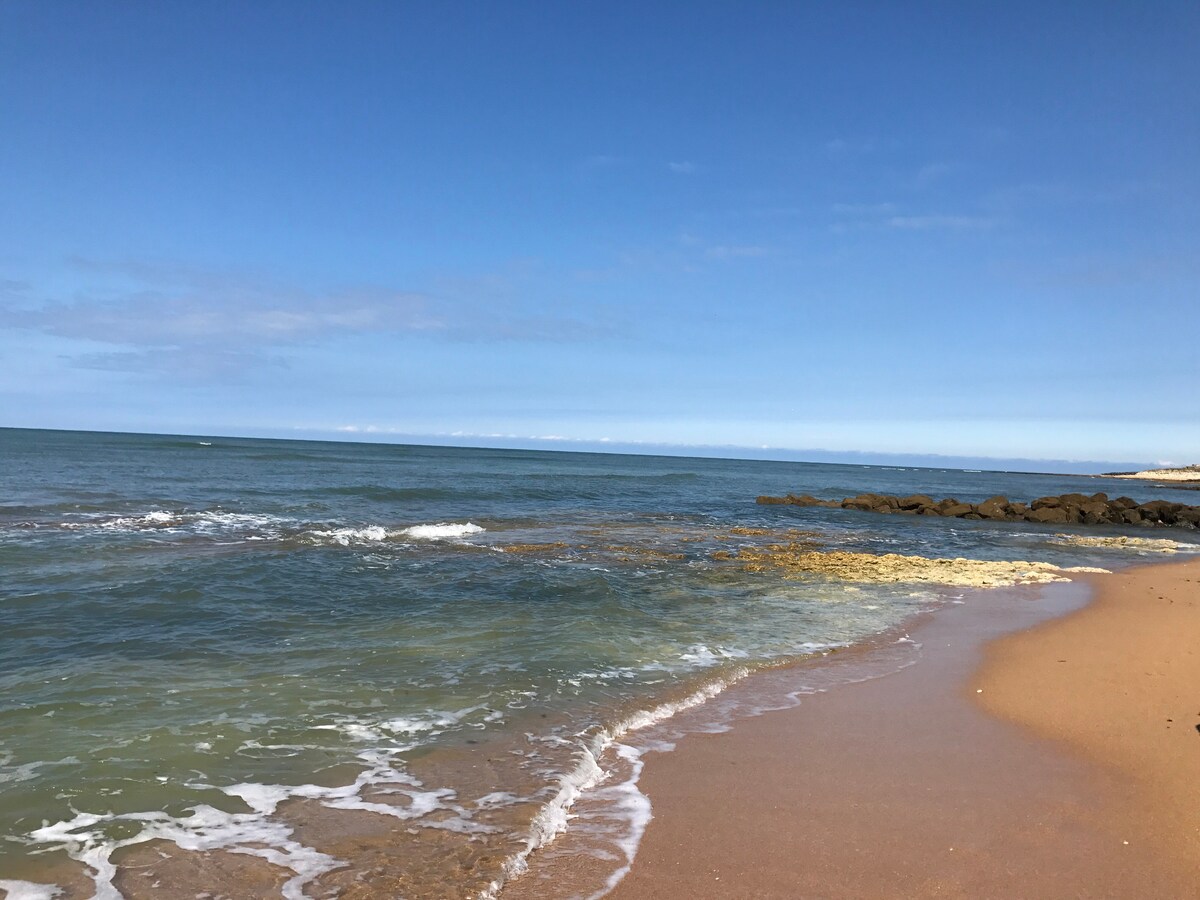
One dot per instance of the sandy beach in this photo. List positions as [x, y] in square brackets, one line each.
[1039, 749]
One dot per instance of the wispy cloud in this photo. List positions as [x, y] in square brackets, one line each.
[683, 167]
[874, 216]
[10, 287]
[187, 363]
[720, 251]
[927, 222]
[182, 321]
[248, 314]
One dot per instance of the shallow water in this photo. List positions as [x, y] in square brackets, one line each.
[324, 668]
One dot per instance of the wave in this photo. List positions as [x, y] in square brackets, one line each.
[375, 534]
[605, 780]
[221, 524]
[442, 531]
[551, 820]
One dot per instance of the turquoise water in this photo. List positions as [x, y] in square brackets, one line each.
[345, 665]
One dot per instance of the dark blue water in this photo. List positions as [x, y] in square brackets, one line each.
[234, 646]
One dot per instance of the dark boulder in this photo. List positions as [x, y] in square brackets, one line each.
[993, 508]
[1131, 516]
[957, 510]
[1047, 515]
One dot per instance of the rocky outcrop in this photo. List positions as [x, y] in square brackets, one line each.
[1065, 509]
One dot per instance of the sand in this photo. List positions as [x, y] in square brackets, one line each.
[1067, 766]
[1119, 683]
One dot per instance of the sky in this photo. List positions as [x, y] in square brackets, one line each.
[967, 230]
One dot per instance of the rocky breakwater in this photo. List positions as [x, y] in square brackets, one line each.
[1065, 509]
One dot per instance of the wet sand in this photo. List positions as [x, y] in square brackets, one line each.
[1028, 777]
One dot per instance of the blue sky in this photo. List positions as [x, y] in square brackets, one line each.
[961, 229]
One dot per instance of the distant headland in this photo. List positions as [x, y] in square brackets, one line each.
[1178, 473]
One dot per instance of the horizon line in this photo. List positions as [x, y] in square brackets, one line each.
[546, 444]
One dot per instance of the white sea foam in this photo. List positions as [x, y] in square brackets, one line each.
[699, 654]
[551, 820]
[10, 774]
[345, 537]
[27, 890]
[442, 531]
[206, 828]
[621, 809]
[374, 534]
[256, 832]
[219, 521]
[157, 518]
[210, 523]
[415, 729]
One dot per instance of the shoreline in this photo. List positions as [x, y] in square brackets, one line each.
[905, 785]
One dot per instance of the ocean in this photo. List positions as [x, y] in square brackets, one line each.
[239, 667]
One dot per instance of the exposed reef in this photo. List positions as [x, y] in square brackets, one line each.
[1065, 509]
[800, 559]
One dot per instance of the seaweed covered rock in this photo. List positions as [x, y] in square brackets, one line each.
[1064, 509]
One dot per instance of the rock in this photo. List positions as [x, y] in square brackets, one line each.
[866, 504]
[1189, 515]
[993, 508]
[957, 509]
[804, 500]
[1131, 516]
[1065, 509]
[1047, 515]
[1161, 507]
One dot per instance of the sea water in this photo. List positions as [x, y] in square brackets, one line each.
[236, 667]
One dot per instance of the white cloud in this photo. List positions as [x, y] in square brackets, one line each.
[683, 168]
[179, 321]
